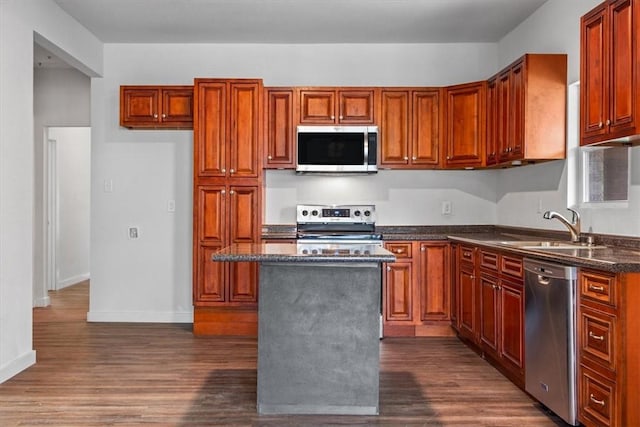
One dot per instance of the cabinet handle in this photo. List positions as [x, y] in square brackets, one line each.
[232, 192]
[222, 191]
[596, 401]
[406, 158]
[333, 117]
[608, 122]
[223, 170]
[493, 154]
[448, 157]
[596, 288]
[398, 251]
[472, 277]
[232, 171]
[155, 116]
[596, 337]
[341, 117]
[164, 116]
[600, 125]
[269, 157]
[466, 254]
[423, 249]
[414, 158]
[388, 268]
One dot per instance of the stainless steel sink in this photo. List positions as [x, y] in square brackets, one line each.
[548, 244]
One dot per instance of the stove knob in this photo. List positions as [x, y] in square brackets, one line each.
[305, 212]
[356, 213]
[305, 251]
[357, 252]
[314, 212]
[367, 213]
[314, 251]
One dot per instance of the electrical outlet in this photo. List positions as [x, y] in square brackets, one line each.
[108, 186]
[133, 233]
[446, 207]
[171, 206]
[539, 205]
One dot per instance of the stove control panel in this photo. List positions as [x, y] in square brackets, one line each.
[365, 214]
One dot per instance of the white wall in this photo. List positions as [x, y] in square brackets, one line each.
[73, 181]
[61, 97]
[555, 28]
[19, 20]
[149, 279]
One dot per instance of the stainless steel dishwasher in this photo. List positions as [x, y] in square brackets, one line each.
[550, 337]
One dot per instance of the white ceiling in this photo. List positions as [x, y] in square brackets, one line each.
[299, 21]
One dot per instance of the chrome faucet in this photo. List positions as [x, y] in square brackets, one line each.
[573, 226]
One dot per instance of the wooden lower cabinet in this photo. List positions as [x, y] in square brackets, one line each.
[417, 290]
[490, 311]
[608, 345]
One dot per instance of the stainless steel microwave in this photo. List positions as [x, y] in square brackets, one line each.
[337, 149]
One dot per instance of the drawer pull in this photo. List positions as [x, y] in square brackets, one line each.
[596, 288]
[596, 337]
[466, 254]
[398, 251]
[596, 401]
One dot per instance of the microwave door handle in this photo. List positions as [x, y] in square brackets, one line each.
[366, 148]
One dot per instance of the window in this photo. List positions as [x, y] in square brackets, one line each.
[605, 174]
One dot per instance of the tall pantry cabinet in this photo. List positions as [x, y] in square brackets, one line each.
[227, 200]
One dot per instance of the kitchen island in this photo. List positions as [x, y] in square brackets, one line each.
[318, 326]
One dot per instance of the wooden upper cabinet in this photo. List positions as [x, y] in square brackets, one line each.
[149, 107]
[609, 73]
[465, 125]
[227, 128]
[410, 128]
[280, 152]
[336, 105]
[530, 110]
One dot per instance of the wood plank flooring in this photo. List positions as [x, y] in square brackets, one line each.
[108, 374]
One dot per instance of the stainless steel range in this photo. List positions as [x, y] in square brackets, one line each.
[344, 225]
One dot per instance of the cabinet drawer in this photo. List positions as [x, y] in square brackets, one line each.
[597, 400]
[597, 337]
[598, 286]
[400, 249]
[466, 253]
[488, 260]
[511, 265]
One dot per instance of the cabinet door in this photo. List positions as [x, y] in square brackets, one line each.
[594, 102]
[622, 67]
[425, 127]
[356, 106]
[209, 286]
[488, 302]
[516, 122]
[280, 129]
[512, 324]
[434, 282]
[139, 106]
[492, 122]
[465, 118]
[398, 291]
[177, 107]
[211, 214]
[467, 296]
[504, 115]
[394, 128]
[317, 106]
[244, 222]
[210, 129]
[244, 135]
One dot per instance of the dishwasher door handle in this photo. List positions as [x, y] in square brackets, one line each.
[543, 280]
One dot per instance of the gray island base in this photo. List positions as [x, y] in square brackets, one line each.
[318, 330]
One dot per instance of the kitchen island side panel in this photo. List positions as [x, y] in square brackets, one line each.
[318, 338]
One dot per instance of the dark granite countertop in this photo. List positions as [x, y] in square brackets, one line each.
[619, 254]
[615, 259]
[291, 252]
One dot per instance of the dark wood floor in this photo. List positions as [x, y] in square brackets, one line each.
[100, 374]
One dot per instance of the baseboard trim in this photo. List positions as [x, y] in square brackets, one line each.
[17, 365]
[140, 316]
[72, 281]
[42, 302]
